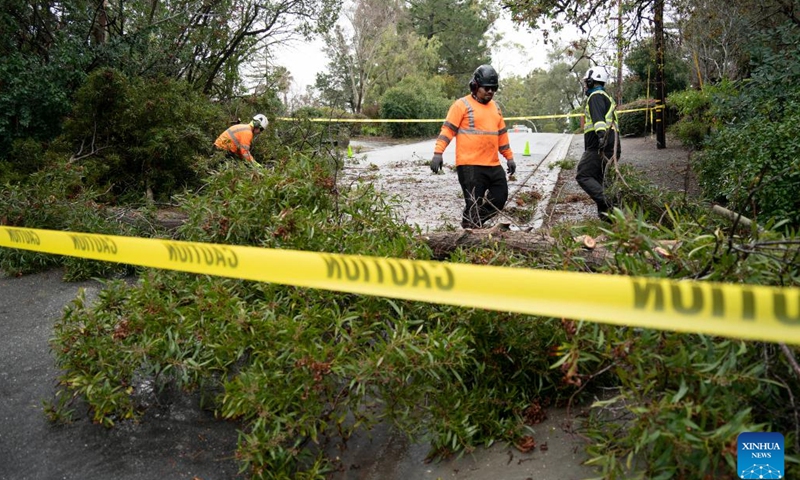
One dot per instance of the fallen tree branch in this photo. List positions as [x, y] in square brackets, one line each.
[792, 360]
[733, 216]
[444, 243]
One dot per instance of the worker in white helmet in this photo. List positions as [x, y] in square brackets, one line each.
[237, 139]
[600, 139]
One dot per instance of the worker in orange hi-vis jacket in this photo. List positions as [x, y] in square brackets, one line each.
[237, 139]
[482, 136]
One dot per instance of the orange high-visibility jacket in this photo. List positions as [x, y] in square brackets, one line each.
[237, 140]
[481, 132]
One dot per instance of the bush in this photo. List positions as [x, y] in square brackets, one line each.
[139, 137]
[698, 115]
[639, 122]
[753, 169]
[411, 99]
[26, 157]
[36, 93]
[750, 159]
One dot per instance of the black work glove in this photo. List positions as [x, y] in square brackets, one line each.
[601, 139]
[512, 167]
[437, 162]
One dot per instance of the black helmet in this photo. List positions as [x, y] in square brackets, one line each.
[484, 76]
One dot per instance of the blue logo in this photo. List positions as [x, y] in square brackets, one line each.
[760, 455]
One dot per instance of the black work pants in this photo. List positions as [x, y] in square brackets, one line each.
[590, 175]
[485, 193]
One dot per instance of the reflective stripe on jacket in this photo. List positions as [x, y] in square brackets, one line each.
[481, 132]
[600, 115]
[600, 112]
[237, 140]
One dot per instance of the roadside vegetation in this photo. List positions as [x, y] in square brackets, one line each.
[106, 137]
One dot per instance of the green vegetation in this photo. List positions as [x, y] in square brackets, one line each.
[413, 98]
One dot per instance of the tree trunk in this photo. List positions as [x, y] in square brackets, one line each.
[658, 24]
[444, 243]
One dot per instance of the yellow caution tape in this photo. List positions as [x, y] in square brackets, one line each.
[739, 311]
[440, 120]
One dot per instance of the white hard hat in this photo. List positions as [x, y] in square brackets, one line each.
[260, 121]
[598, 74]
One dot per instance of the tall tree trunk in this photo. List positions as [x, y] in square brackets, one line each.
[101, 23]
[620, 41]
[658, 23]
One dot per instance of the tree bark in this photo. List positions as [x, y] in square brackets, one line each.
[658, 25]
[444, 243]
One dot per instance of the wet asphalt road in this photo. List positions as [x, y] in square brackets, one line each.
[175, 442]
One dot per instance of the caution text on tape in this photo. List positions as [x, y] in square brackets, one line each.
[749, 312]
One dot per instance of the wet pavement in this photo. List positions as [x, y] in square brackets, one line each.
[178, 441]
[434, 201]
[384, 455]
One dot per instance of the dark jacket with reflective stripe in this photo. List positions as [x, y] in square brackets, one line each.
[481, 132]
[600, 114]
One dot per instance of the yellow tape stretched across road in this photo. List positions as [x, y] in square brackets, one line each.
[440, 120]
[739, 311]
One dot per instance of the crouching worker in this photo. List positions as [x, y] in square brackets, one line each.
[236, 140]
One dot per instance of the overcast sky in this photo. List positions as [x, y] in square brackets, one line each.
[305, 59]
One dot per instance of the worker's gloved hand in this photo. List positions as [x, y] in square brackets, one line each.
[437, 162]
[601, 138]
[512, 166]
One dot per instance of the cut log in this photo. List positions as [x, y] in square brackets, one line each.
[737, 218]
[587, 241]
[591, 251]
[444, 243]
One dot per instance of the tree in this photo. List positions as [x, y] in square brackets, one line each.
[584, 16]
[714, 34]
[48, 48]
[460, 26]
[640, 61]
[544, 92]
[354, 51]
[402, 54]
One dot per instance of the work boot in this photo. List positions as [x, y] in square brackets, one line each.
[604, 212]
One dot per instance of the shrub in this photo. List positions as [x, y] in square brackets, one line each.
[753, 169]
[26, 156]
[139, 136]
[411, 99]
[698, 113]
[36, 93]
